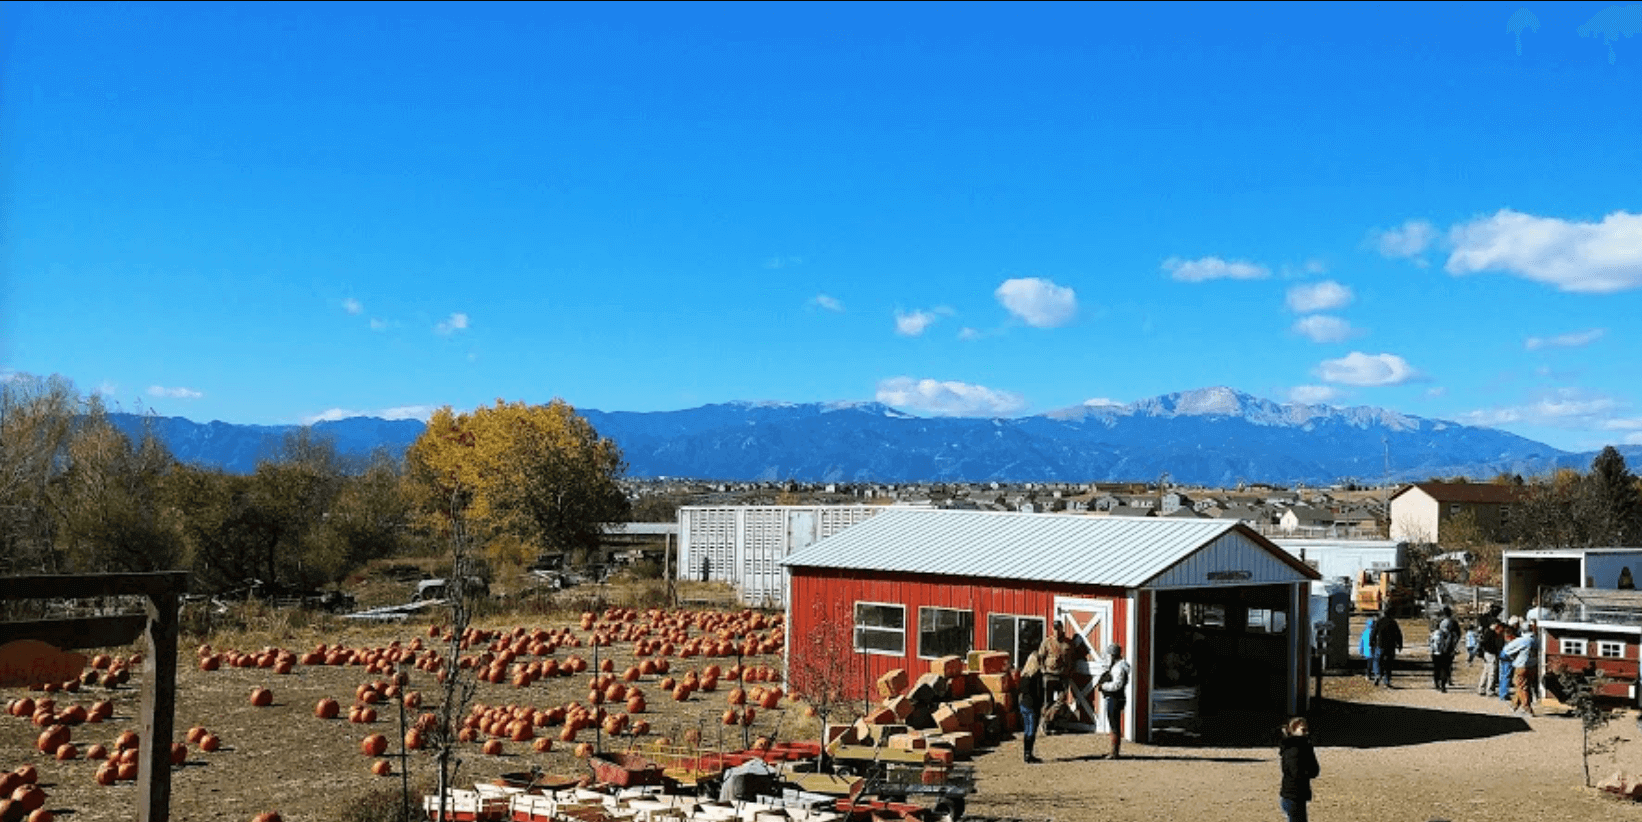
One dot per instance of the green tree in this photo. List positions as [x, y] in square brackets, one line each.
[537, 473]
[1610, 502]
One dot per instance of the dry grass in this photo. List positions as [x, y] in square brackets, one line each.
[283, 758]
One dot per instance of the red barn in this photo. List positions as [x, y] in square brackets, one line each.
[1211, 615]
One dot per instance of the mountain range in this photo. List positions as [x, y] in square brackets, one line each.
[1212, 436]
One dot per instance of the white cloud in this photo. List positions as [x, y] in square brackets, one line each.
[1622, 424]
[1587, 258]
[1312, 394]
[1573, 340]
[332, 415]
[378, 325]
[947, 398]
[1101, 402]
[1213, 268]
[830, 303]
[1038, 302]
[1565, 408]
[407, 412]
[914, 323]
[353, 306]
[967, 333]
[778, 263]
[452, 324]
[1324, 296]
[174, 393]
[1633, 439]
[1367, 370]
[1436, 391]
[1323, 328]
[403, 412]
[1407, 241]
[106, 389]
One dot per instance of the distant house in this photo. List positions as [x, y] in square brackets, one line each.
[1183, 512]
[1173, 501]
[1419, 511]
[1126, 511]
[1305, 518]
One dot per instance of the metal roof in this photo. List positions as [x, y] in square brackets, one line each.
[1124, 552]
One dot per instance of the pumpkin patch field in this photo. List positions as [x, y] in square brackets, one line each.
[311, 722]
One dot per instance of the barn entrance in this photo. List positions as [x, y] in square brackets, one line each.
[1089, 625]
[1227, 647]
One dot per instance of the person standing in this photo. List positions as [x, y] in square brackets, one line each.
[1488, 645]
[1031, 702]
[1524, 654]
[1055, 658]
[1113, 684]
[1299, 760]
[1365, 646]
[1445, 642]
[1510, 634]
[1387, 641]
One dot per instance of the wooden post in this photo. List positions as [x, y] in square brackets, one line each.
[163, 591]
[159, 709]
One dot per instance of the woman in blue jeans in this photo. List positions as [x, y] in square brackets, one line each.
[1031, 703]
[1299, 768]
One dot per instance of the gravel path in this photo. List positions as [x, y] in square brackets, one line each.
[1406, 753]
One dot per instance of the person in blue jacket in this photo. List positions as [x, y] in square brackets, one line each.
[1365, 646]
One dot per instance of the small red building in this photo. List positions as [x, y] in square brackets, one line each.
[1211, 615]
[1596, 633]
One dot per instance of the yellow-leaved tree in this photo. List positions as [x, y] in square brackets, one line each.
[522, 477]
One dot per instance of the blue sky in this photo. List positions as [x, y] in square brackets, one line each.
[278, 213]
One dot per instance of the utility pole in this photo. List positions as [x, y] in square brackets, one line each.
[1386, 482]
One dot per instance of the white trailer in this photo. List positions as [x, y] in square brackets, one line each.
[1346, 557]
[744, 545]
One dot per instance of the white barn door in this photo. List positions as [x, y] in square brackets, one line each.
[1089, 625]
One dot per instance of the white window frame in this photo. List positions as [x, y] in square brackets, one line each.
[1017, 657]
[1574, 647]
[923, 608]
[855, 633]
[1610, 649]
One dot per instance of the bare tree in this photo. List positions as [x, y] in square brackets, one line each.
[824, 667]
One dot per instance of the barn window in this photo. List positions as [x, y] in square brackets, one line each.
[880, 629]
[1610, 650]
[1017, 636]
[1573, 647]
[1199, 615]
[945, 632]
[1264, 621]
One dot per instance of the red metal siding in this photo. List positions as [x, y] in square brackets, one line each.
[819, 594]
[1141, 658]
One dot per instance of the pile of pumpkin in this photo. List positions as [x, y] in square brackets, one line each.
[119, 760]
[21, 796]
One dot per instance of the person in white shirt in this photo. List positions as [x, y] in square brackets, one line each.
[1112, 681]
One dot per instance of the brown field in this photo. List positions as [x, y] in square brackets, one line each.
[1405, 754]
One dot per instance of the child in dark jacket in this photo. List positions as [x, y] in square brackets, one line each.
[1299, 768]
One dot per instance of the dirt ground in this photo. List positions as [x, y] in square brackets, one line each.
[1407, 753]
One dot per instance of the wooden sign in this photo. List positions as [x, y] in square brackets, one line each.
[26, 662]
